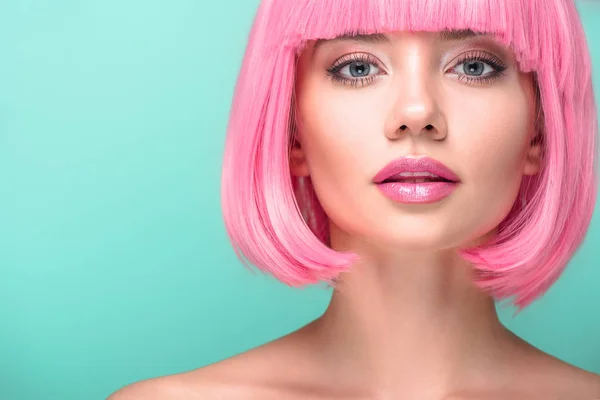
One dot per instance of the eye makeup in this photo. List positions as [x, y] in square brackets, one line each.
[364, 62]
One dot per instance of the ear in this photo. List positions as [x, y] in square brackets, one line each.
[533, 158]
[298, 165]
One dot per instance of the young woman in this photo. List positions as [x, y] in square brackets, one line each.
[426, 158]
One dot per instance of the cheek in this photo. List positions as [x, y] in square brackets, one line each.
[501, 131]
[491, 143]
[338, 135]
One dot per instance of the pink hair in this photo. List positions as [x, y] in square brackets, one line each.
[275, 221]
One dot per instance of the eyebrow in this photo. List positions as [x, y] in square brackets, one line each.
[381, 38]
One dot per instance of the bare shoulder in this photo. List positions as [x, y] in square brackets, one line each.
[555, 377]
[221, 380]
[205, 383]
[171, 387]
[576, 381]
[280, 369]
[254, 374]
[528, 373]
[543, 379]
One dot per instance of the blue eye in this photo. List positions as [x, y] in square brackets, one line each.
[475, 68]
[479, 67]
[356, 69]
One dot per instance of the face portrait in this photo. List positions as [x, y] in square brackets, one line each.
[364, 101]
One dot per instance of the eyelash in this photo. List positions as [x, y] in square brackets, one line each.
[480, 56]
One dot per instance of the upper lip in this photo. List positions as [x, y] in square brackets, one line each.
[415, 164]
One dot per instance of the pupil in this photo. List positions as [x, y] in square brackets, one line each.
[475, 67]
[359, 68]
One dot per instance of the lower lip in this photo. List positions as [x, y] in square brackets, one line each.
[417, 193]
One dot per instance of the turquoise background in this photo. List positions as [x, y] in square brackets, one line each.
[114, 263]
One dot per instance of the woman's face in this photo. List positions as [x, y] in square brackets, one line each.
[460, 100]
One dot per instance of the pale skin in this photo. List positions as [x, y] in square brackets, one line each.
[406, 322]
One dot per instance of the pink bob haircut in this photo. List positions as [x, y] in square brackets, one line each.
[274, 219]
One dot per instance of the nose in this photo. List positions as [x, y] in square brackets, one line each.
[417, 111]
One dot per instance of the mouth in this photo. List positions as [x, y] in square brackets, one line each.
[415, 179]
[419, 180]
[415, 170]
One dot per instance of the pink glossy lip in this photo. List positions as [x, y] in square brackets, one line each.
[412, 192]
[418, 164]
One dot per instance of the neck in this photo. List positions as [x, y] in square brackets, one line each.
[400, 319]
